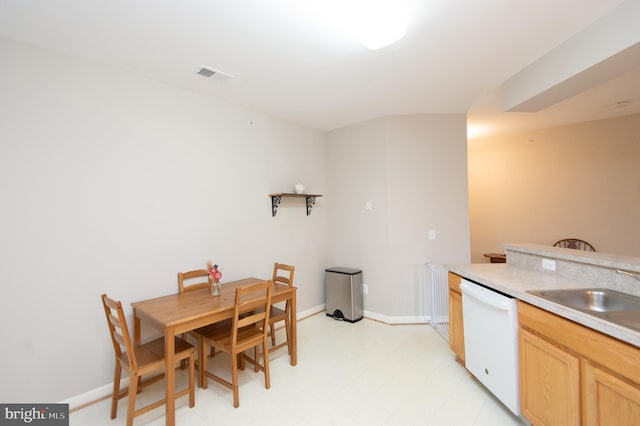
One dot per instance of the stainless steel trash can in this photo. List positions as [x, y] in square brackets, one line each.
[343, 292]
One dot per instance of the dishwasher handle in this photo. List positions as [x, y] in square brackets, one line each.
[498, 301]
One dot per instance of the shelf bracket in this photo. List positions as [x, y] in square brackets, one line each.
[276, 198]
[275, 202]
[310, 202]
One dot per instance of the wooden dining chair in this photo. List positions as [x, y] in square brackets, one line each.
[282, 274]
[139, 361]
[193, 280]
[574, 243]
[247, 329]
[190, 281]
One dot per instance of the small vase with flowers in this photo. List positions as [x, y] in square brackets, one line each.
[214, 276]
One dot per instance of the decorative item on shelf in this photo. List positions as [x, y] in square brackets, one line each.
[299, 188]
[214, 275]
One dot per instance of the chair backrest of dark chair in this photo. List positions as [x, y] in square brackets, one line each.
[574, 243]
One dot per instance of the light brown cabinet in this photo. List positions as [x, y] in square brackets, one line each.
[609, 400]
[456, 326]
[573, 375]
[549, 382]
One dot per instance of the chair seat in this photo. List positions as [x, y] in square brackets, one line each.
[247, 337]
[150, 355]
[277, 314]
[214, 330]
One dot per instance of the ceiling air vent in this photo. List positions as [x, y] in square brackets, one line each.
[213, 74]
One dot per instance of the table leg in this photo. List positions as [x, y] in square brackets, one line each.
[293, 342]
[136, 328]
[169, 377]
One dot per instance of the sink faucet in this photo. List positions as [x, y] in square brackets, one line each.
[634, 275]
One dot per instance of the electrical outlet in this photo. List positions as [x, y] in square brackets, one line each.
[365, 288]
[549, 264]
[432, 234]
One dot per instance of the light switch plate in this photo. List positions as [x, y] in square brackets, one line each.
[549, 264]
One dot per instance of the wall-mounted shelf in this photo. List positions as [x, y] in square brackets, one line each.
[277, 197]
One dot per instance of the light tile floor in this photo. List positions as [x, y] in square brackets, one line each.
[366, 373]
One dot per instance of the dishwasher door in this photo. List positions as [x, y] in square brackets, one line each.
[491, 341]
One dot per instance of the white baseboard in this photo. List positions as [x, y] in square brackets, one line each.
[378, 317]
[308, 312]
[396, 320]
[94, 395]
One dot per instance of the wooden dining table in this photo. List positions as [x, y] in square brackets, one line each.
[180, 313]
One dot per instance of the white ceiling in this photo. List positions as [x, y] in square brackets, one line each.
[290, 60]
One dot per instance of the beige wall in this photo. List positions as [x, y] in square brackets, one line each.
[579, 181]
[413, 170]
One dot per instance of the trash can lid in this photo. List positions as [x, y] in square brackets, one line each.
[341, 270]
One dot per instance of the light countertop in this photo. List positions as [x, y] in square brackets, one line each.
[515, 281]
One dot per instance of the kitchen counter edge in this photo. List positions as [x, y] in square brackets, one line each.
[515, 282]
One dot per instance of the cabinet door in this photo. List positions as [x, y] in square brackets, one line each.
[609, 400]
[456, 326]
[549, 382]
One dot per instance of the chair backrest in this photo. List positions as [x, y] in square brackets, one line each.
[119, 331]
[283, 273]
[574, 243]
[186, 280]
[251, 308]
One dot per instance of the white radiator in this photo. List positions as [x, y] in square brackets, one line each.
[439, 298]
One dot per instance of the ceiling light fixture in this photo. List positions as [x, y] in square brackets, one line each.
[380, 25]
[374, 23]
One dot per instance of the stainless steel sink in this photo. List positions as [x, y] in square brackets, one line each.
[619, 308]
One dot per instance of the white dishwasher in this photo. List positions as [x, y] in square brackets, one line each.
[491, 341]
